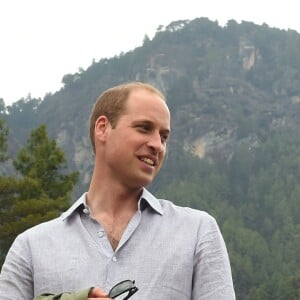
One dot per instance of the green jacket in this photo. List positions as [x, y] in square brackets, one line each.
[81, 295]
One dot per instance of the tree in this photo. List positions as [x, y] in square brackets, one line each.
[146, 39]
[42, 161]
[290, 288]
[3, 140]
[42, 191]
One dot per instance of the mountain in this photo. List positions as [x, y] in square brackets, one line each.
[224, 85]
[234, 95]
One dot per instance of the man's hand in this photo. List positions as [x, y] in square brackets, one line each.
[97, 293]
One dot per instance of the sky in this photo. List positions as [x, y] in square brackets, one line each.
[43, 40]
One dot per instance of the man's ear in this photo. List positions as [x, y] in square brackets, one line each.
[102, 125]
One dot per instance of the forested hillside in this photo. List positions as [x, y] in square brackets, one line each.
[234, 95]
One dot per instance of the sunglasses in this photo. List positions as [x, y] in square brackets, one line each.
[125, 286]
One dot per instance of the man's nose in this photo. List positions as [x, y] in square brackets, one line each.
[155, 142]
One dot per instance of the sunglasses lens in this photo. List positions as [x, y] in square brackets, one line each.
[122, 287]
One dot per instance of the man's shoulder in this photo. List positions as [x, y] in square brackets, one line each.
[56, 225]
[170, 209]
[192, 222]
[40, 236]
[47, 227]
[185, 212]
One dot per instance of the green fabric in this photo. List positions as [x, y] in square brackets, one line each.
[81, 295]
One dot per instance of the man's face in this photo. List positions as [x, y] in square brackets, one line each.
[136, 147]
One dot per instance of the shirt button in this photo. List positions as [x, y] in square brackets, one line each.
[114, 259]
[101, 234]
[85, 210]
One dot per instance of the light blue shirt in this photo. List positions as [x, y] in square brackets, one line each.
[171, 252]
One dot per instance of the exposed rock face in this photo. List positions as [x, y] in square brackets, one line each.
[211, 142]
[248, 54]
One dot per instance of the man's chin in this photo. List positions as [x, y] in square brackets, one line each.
[144, 181]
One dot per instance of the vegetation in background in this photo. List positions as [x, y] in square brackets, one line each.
[40, 191]
[255, 198]
[236, 89]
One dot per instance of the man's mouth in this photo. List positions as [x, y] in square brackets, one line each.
[148, 161]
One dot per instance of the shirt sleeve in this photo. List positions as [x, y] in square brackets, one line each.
[81, 295]
[16, 274]
[212, 279]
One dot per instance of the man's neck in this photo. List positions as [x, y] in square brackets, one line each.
[112, 199]
[113, 208]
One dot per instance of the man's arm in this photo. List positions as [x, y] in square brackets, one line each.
[81, 295]
[91, 293]
[16, 281]
[16, 274]
[212, 279]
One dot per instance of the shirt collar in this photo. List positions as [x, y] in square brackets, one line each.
[80, 202]
[146, 196]
[151, 200]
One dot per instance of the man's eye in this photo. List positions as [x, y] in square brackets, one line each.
[144, 128]
[164, 138]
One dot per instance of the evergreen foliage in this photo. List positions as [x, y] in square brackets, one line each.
[3, 140]
[40, 192]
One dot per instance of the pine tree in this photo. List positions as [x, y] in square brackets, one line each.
[42, 191]
[3, 140]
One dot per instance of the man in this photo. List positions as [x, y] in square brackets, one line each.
[118, 230]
